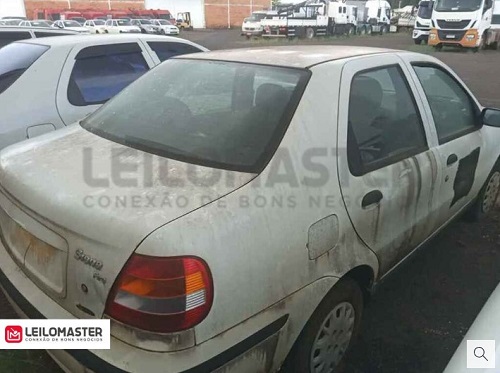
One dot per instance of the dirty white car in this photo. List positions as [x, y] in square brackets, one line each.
[75, 75]
[70, 25]
[232, 210]
[120, 26]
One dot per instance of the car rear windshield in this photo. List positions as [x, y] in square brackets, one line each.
[15, 59]
[218, 114]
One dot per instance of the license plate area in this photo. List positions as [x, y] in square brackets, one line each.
[40, 252]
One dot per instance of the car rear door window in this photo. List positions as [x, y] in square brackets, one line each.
[15, 59]
[384, 125]
[453, 110]
[101, 72]
[11, 36]
[166, 50]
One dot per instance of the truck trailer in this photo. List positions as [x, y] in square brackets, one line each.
[464, 23]
[309, 19]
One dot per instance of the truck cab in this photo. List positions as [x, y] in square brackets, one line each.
[464, 23]
[423, 21]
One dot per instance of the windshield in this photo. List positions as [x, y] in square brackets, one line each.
[13, 22]
[98, 22]
[39, 24]
[124, 22]
[145, 22]
[217, 114]
[458, 5]
[164, 22]
[15, 59]
[255, 18]
[425, 10]
[71, 24]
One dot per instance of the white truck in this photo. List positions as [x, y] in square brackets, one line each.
[12, 8]
[423, 21]
[309, 19]
[464, 23]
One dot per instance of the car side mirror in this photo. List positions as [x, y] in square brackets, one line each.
[491, 117]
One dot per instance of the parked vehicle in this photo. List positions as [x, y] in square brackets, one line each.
[10, 34]
[464, 23]
[12, 22]
[252, 25]
[184, 21]
[92, 15]
[182, 279]
[36, 23]
[423, 21]
[75, 76]
[404, 22]
[485, 327]
[165, 27]
[71, 26]
[120, 26]
[95, 26]
[309, 19]
[80, 20]
[146, 25]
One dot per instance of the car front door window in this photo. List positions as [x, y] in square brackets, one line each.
[452, 108]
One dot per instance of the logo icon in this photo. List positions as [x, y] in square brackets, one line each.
[480, 354]
[13, 334]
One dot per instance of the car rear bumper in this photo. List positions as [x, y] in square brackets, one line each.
[242, 356]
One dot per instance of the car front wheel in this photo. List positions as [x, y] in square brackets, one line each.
[487, 197]
[329, 333]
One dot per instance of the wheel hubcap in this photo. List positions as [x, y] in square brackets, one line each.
[491, 192]
[333, 339]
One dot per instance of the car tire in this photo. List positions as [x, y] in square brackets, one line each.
[487, 197]
[417, 41]
[344, 303]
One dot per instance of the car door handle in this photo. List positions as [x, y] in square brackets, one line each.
[371, 198]
[452, 159]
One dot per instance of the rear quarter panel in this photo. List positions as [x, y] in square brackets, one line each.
[255, 240]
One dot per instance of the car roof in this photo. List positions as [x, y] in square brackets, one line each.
[296, 56]
[71, 40]
[46, 29]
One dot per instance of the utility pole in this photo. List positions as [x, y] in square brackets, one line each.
[228, 14]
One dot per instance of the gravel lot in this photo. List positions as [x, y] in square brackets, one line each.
[420, 314]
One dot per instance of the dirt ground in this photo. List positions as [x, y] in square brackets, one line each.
[419, 315]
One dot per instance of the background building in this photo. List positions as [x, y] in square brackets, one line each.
[204, 13]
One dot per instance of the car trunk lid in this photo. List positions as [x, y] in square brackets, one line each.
[72, 220]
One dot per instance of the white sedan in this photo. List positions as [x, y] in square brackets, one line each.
[165, 27]
[75, 75]
[120, 26]
[95, 26]
[70, 26]
[230, 211]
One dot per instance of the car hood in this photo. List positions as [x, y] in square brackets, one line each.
[105, 191]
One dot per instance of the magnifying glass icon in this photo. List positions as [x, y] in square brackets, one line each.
[479, 353]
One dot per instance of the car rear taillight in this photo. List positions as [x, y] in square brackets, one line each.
[161, 295]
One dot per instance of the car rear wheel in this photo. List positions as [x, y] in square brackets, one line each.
[487, 197]
[330, 332]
